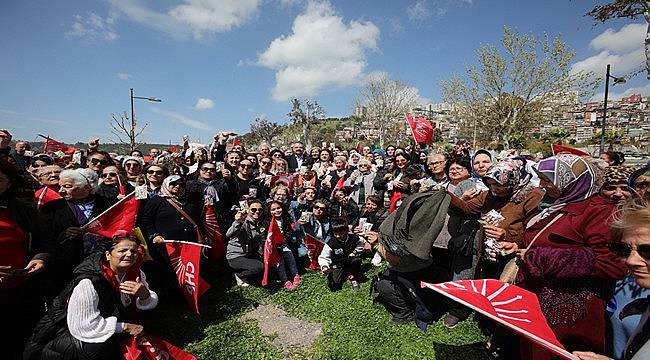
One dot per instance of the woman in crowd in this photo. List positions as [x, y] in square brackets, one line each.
[245, 239]
[277, 211]
[631, 240]
[99, 304]
[155, 175]
[333, 176]
[280, 166]
[323, 164]
[133, 167]
[361, 182]
[615, 184]
[98, 160]
[343, 207]
[639, 182]
[392, 182]
[113, 185]
[265, 165]
[37, 162]
[25, 251]
[481, 163]
[569, 266]
[314, 154]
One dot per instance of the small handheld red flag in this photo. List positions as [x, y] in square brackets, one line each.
[121, 216]
[149, 347]
[51, 146]
[185, 258]
[213, 233]
[508, 305]
[421, 128]
[272, 255]
[44, 195]
[314, 247]
[558, 149]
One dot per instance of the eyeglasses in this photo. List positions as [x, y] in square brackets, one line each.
[246, 166]
[96, 161]
[623, 188]
[265, 163]
[157, 172]
[132, 164]
[105, 175]
[208, 169]
[254, 210]
[277, 155]
[436, 162]
[402, 161]
[624, 250]
[366, 165]
[457, 169]
[641, 185]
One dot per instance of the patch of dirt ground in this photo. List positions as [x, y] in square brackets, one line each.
[289, 332]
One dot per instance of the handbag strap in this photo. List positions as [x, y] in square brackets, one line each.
[544, 229]
[189, 218]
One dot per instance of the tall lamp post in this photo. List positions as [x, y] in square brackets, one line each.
[617, 80]
[142, 98]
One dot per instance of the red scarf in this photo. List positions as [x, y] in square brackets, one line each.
[132, 274]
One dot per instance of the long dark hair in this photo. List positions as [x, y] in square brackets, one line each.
[285, 218]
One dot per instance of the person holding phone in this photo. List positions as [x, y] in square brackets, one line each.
[245, 238]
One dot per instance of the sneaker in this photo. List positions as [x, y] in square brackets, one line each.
[354, 283]
[450, 321]
[376, 260]
[240, 281]
[296, 280]
[288, 285]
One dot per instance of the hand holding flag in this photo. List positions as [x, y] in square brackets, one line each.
[272, 256]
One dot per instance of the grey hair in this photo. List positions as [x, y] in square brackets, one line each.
[83, 177]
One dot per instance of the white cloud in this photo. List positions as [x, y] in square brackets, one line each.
[179, 118]
[617, 95]
[195, 17]
[395, 26]
[418, 11]
[322, 51]
[124, 76]
[203, 104]
[623, 50]
[93, 27]
[627, 39]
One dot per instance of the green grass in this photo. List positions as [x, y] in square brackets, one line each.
[353, 327]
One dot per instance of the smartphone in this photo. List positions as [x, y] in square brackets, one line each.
[243, 205]
[252, 192]
[305, 216]
[218, 166]
[29, 153]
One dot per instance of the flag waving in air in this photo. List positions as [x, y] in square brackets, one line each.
[185, 258]
[120, 216]
[421, 128]
[509, 305]
[51, 146]
[272, 255]
[314, 247]
[213, 233]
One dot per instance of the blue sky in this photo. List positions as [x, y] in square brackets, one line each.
[217, 64]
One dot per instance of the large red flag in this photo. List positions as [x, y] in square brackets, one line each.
[51, 146]
[213, 233]
[149, 347]
[185, 258]
[272, 255]
[509, 305]
[393, 200]
[44, 195]
[421, 128]
[339, 185]
[558, 149]
[314, 247]
[120, 216]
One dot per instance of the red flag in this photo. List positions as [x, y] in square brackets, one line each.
[509, 305]
[213, 233]
[558, 149]
[120, 216]
[272, 255]
[235, 142]
[421, 128]
[340, 184]
[51, 146]
[185, 258]
[44, 195]
[314, 247]
[149, 347]
[284, 179]
[173, 149]
[393, 200]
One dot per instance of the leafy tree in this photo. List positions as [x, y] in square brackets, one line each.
[263, 130]
[307, 117]
[126, 130]
[630, 9]
[612, 137]
[386, 100]
[509, 90]
[557, 136]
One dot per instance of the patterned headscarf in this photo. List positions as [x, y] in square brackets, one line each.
[616, 174]
[512, 174]
[576, 177]
[164, 189]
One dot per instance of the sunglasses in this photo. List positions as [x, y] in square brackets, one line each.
[401, 161]
[254, 210]
[245, 166]
[132, 164]
[624, 250]
[265, 163]
[96, 161]
[210, 169]
[105, 175]
[176, 183]
[320, 208]
[157, 172]
[277, 155]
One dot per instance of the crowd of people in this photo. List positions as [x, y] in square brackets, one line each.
[578, 225]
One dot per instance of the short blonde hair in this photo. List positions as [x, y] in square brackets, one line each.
[634, 214]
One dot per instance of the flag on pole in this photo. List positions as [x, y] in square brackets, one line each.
[44, 195]
[120, 216]
[509, 305]
[340, 184]
[272, 255]
[235, 141]
[558, 149]
[421, 128]
[314, 247]
[51, 146]
[213, 233]
[149, 347]
[146, 256]
[185, 258]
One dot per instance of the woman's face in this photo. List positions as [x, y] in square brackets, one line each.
[155, 175]
[132, 168]
[109, 175]
[639, 266]
[4, 183]
[177, 187]
[255, 211]
[551, 189]
[280, 195]
[122, 256]
[642, 186]
[481, 164]
[314, 152]
[276, 210]
[390, 151]
[617, 192]
[324, 156]
[33, 168]
[70, 190]
[496, 188]
[310, 194]
[280, 167]
[340, 164]
[208, 171]
[401, 162]
[233, 160]
[371, 206]
[458, 172]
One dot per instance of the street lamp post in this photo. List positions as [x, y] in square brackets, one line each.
[617, 80]
[143, 98]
